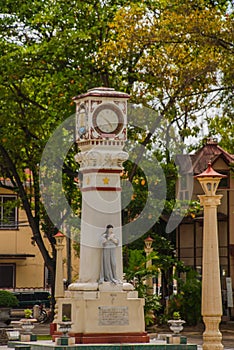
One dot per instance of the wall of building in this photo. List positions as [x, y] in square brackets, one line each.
[231, 226]
[29, 271]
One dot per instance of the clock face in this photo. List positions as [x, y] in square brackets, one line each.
[108, 119]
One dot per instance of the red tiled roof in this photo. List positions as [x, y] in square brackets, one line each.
[210, 172]
[210, 152]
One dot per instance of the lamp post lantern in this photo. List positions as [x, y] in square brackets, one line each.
[148, 244]
[211, 288]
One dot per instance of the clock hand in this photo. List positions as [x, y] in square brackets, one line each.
[108, 122]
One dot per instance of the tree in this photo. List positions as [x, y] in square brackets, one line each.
[47, 58]
[171, 57]
[174, 57]
[223, 127]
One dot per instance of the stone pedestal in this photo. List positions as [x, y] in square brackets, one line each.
[176, 339]
[28, 337]
[65, 341]
[108, 315]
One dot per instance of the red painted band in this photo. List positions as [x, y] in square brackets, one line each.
[106, 171]
[93, 188]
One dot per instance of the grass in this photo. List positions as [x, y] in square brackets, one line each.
[44, 337]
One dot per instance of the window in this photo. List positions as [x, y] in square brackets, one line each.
[7, 275]
[224, 182]
[8, 212]
[184, 188]
[47, 278]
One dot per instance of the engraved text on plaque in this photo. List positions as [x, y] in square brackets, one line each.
[113, 316]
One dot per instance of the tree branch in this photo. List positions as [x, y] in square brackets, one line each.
[26, 98]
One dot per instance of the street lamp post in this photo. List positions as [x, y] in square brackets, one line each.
[148, 249]
[211, 288]
[59, 286]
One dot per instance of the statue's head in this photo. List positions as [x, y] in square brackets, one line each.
[109, 226]
[109, 229]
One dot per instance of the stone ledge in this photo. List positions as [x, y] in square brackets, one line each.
[146, 346]
[83, 286]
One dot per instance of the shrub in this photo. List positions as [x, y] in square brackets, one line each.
[7, 299]
[138, 274]
[188, 300]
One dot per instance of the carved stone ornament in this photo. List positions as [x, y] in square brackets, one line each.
[100, 159]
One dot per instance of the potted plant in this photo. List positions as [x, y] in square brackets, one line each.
[176, 315]
[176, 324]
[28, 313]
[27, 321]
[7, 301]
[65, 325]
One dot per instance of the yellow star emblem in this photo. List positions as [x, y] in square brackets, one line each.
[106, 180]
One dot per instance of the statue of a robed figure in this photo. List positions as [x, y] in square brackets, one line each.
[108, 256]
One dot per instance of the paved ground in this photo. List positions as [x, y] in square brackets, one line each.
[227, 340]
[193, 334]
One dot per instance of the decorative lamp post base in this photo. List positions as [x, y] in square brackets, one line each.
[212, 337]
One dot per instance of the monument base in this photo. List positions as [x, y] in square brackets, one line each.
[110, 338]
[109, 315]
[115, 338]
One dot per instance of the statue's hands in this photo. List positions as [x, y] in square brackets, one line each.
[113, 239]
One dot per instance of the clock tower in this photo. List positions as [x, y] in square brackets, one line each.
[101, 123]
[102, 310]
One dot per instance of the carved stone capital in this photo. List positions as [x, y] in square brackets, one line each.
[98, 159]
[210, 201]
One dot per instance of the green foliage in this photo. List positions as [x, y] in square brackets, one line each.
[187, 208]
[65, 318]
[7, 299]
[188, 300]
[170, 56]
[136, 270]
[28, 313]
[176, 315]
[138, 274]
[162, 319]
[223, 127]
[177, 55]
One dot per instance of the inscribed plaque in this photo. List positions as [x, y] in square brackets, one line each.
[113, 316]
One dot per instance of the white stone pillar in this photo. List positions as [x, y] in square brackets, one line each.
[101, 206]
[148, 250]
[211, 289]
[59, 287]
